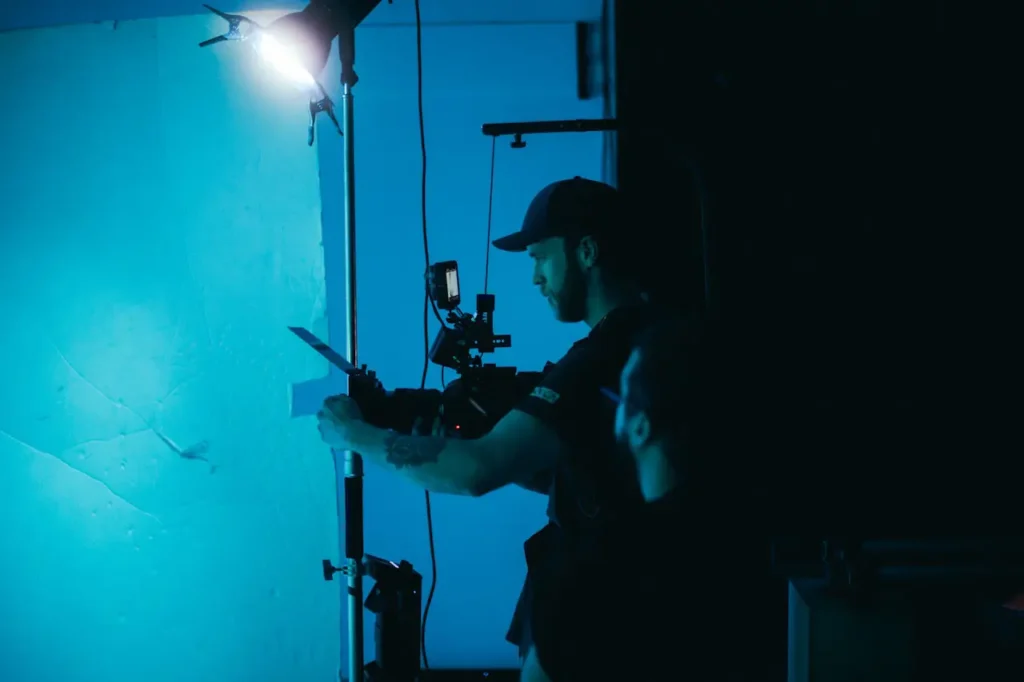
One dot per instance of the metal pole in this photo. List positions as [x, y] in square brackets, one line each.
[353, 487]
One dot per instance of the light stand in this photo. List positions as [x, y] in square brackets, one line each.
[340, 18]
[316, 27]
[353, 485]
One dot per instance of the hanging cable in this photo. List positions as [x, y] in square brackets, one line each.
[428, 304]
[490, 211]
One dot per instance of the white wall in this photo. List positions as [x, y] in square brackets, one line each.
[160, 228]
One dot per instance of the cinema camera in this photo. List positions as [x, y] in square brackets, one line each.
[470, 405]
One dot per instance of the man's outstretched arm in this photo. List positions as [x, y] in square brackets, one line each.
[518, 448]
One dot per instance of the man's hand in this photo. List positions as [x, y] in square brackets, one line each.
[336, 419]
[518, 448]
[422, 426]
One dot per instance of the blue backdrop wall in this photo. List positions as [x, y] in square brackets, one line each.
[165, 497]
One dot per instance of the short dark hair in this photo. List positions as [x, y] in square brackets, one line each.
[672, 384]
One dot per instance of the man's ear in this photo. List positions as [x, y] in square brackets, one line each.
[586, 253]
[640, 429]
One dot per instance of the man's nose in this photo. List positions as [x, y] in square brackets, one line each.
[538, 279]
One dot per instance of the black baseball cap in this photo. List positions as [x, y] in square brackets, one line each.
[567, 208]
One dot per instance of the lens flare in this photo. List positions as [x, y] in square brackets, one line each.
[285, 60]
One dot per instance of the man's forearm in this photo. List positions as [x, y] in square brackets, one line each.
[441, 465]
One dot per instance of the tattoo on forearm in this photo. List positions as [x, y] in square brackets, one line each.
[412, 451]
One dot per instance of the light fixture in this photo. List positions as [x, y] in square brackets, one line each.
[296, 46]
[285, 60]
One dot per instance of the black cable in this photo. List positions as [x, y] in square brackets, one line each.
[428, 302]
[427, 305]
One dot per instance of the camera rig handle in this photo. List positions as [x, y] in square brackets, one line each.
[397, 410]
[468, 332]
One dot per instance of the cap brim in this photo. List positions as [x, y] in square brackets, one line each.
[516, 241]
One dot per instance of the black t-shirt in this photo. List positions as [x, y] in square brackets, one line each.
[595, 479]
[662, 594]
[594, 482]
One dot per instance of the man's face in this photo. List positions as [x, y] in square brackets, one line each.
[632, 428]
[560, 279]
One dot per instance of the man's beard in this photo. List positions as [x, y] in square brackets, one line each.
[571, 303]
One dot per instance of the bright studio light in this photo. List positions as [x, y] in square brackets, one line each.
[285, 60]
[296, 45]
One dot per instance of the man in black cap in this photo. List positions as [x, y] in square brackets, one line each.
[560, 439]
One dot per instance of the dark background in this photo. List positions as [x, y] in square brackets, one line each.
[855, 160]
[850, 154]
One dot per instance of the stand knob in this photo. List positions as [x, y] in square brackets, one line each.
[330, 569]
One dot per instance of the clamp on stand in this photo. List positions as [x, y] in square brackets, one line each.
[239, 27]
[317, 106]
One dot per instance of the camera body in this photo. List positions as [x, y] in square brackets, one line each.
[398, 410]
[470, 405]
[473, 403]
